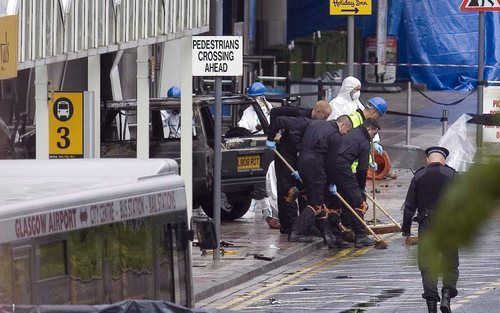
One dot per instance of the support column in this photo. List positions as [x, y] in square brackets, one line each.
[170, 68]
[142, 102]
[94, 85]
[41, 112]
[186, 80]
[350, 45]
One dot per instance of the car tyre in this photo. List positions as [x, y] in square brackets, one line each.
[233, 205]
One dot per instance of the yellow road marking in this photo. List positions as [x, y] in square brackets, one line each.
[475, 295]
[340, 254]
[302, 275]
[253, 296]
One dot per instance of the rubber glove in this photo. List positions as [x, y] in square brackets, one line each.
[374, 166]
[332, 188]
[296, 175]
[378, 148]
[270, 144]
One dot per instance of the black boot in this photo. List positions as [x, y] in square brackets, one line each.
[432, 306]
[445, 302]
[329, 236]
[295, 237]
[341, 243]
[363, 241]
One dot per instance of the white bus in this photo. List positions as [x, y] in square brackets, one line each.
[93, 232]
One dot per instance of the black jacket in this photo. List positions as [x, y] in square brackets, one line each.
[425, 190]
[355, 146]
[292, 121]
[319, 137]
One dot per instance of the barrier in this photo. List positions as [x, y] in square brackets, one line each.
[383, 166]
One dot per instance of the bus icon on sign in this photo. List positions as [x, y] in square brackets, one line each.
[63, 110]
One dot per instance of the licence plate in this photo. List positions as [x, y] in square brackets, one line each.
[248, 162]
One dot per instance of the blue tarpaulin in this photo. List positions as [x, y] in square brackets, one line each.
[428, 32]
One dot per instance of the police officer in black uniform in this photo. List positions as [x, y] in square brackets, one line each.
[318, 138]
[424, 193]
[293, 129]
[355, 146]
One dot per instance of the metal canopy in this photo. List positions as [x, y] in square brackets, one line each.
[56, 30]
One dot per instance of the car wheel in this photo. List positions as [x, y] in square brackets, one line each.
[233, 205]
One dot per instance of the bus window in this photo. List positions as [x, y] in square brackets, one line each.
[85, 252]
[136, 246]
[6, 295]
[165, 284]
[53, 262]
[22, 275]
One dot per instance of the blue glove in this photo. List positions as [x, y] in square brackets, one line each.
[378, 148]
[296, 175]
[374, 166]
[270, 144]
[333, 189]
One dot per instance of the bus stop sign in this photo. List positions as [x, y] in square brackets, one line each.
[66, 125]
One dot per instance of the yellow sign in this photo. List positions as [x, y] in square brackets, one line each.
[66, 125]
[8, 46]
[350, 7]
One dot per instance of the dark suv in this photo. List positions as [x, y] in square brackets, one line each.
[245, 158]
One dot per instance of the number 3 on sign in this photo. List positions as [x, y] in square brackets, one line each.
[64, 135]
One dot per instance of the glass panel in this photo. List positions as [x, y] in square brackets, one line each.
[6, 295]
[136, 246]
[52, 260]
[22, 281]
[164, 256]
[86, 254]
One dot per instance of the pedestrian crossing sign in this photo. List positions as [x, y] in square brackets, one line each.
[480, 5]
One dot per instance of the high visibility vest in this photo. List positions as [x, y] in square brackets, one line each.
[357, 118]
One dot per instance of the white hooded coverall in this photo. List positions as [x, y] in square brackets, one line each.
[343, 103]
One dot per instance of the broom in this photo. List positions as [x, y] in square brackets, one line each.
[383, 211]
[379, 244]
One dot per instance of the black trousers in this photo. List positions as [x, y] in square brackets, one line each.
[287, 208]
[312, 172]
[347, 185]
[450, 273]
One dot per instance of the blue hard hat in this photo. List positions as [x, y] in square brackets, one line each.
[174, 92]
[379, 104]
[256, 89]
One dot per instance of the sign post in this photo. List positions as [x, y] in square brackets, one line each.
[485, 6]
[8, 46]
[66, 125]
[217, 56]
[350, 8]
